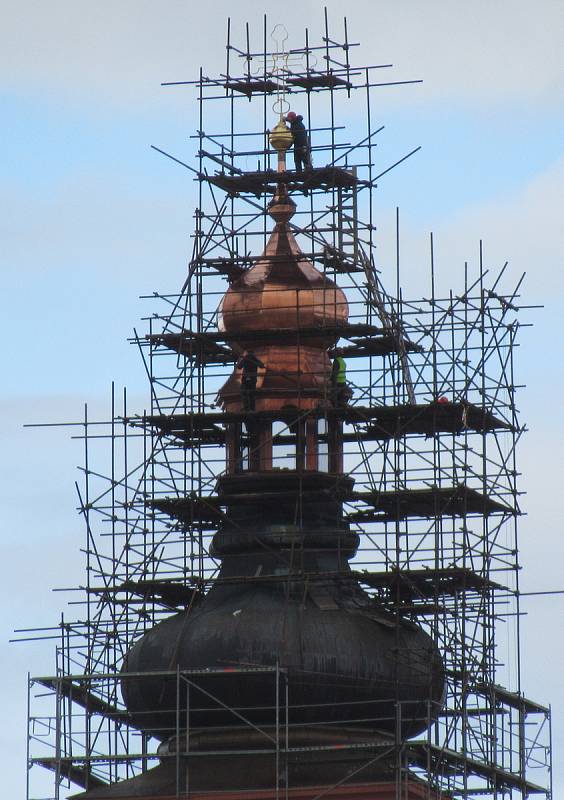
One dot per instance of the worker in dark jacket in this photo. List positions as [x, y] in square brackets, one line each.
[302, 152]
[249, 365]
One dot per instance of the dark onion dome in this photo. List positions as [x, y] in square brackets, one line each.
[344, 666]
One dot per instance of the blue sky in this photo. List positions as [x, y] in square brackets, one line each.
[91, 218]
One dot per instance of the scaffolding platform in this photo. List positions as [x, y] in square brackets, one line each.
[265, 182]
[202, 347]
[456, 501]
[338, 261]
[322, 80]
[65, 686]
[428, 582]
[249, 87]
[377, 423]
[515, 700]
[332, 259]
[409, 584]
[380, 346]
[67, 768]
[428, 419]
[232, 268]
[206, 348]
[460, 764]
[166, 592]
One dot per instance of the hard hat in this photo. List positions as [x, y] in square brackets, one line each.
[291, 115]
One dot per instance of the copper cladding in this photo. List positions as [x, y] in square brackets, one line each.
[284, 293]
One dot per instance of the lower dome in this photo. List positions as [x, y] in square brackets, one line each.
[343, 666]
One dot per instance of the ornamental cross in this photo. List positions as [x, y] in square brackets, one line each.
[280, 64]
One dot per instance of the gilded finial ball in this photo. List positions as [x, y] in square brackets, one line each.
[280, 136]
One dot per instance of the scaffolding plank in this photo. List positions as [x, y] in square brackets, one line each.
[428, 582]
[250, 86]
[190, 510]
[192, 429]
[458, 763]
[224, 266]
[170, 593]
[380, 346]
[89, 701]
[264, 182]
[512, 699]
[337, 261]
[428, 503]
[312, 80]
[385, 422]
[65, 767]
[199, 346]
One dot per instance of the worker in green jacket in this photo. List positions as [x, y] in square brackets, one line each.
[341, 392]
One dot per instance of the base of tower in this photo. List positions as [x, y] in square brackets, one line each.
[410, 790]
[243, 764]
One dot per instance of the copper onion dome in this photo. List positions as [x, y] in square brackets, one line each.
[286, 295]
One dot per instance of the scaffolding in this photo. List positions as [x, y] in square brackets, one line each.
[430, 438]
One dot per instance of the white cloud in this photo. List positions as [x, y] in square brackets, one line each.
[523, 226]
[472, 52]
[467, 52]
